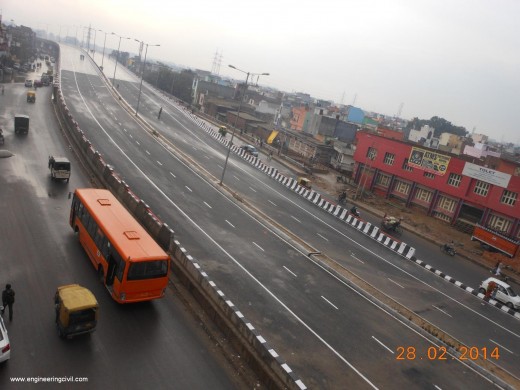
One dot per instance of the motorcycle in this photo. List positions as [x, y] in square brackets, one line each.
[449, 250]
[354, 211]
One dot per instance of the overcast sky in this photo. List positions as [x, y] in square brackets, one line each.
[457, 59]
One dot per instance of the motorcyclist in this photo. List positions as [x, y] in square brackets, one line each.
[448, 247]
[354, 211]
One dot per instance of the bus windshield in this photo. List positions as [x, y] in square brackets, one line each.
[147, 270]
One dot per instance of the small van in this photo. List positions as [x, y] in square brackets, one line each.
[21, 124]
[504, 293]
[60, 168]
[76, 310]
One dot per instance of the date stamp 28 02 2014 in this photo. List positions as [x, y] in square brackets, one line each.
[441, 353]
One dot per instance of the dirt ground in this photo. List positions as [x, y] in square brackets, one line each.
[415, 219]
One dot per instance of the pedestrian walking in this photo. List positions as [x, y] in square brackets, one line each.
[270, 156]
[160, 112]
[8, 300]
[498, 269]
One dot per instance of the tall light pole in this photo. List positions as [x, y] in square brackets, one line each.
[104, 44]
[142, 75]
[94, 52]
[118, 47]
[238, 114]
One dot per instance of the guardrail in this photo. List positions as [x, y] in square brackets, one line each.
[253, 348]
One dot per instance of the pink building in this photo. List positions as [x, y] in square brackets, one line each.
[456, 189]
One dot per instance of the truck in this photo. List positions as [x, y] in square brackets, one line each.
[495, 240]
[60, 168]
[21, 124]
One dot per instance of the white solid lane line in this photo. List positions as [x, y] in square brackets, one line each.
[384, 346]
[330, 303]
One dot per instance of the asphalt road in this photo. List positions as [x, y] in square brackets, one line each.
[455, 311]
[311, 317]
[149, 345]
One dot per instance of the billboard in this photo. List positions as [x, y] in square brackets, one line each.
[428, 161]
[487, 175]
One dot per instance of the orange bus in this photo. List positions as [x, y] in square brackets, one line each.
[129, 262]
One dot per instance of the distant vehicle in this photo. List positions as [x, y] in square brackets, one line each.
[131, 265]
[16, 66]
[504, 294]
[37, 83]
[391, 224]
[29, 83]
[31, 97]
[53, 60]
[76, 310]
[21, 124]
[250, 149]
[304, 182]
[60, 168]
[46, 80]
[5, 347]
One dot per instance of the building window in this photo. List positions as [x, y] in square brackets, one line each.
[481, 188]
[499, 224]
[402, 187]
[454, 180]
[371, 153]
[424, 195]
[389, 158]
[429, 175]
[383, 180]
[447, 204]
[442, 216]
[509, 197]
[406, 167]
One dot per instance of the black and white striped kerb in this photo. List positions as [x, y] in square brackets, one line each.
[314, 197]
[235, 316]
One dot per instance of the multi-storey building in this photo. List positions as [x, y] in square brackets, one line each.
[456, 189]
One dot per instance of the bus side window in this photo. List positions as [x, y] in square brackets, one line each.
[104, 247]
[120, 264]
[92, 226]
[80, 211]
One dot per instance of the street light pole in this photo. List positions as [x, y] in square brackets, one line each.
[118, 47]
[94, 52]
[142, 76]
[104, 44]
[238, 114]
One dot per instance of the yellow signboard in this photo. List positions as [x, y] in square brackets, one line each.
[429, 161]
[272, 137]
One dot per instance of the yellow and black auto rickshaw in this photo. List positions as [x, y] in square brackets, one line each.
[31, 97]
[304, 182]
[76, 310]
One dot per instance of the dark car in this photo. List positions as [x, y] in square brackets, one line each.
[250, 149]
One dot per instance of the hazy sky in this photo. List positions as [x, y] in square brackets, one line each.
[457, 59]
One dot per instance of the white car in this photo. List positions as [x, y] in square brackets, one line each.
[29, 83]
[505, 293]
[5, 347]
